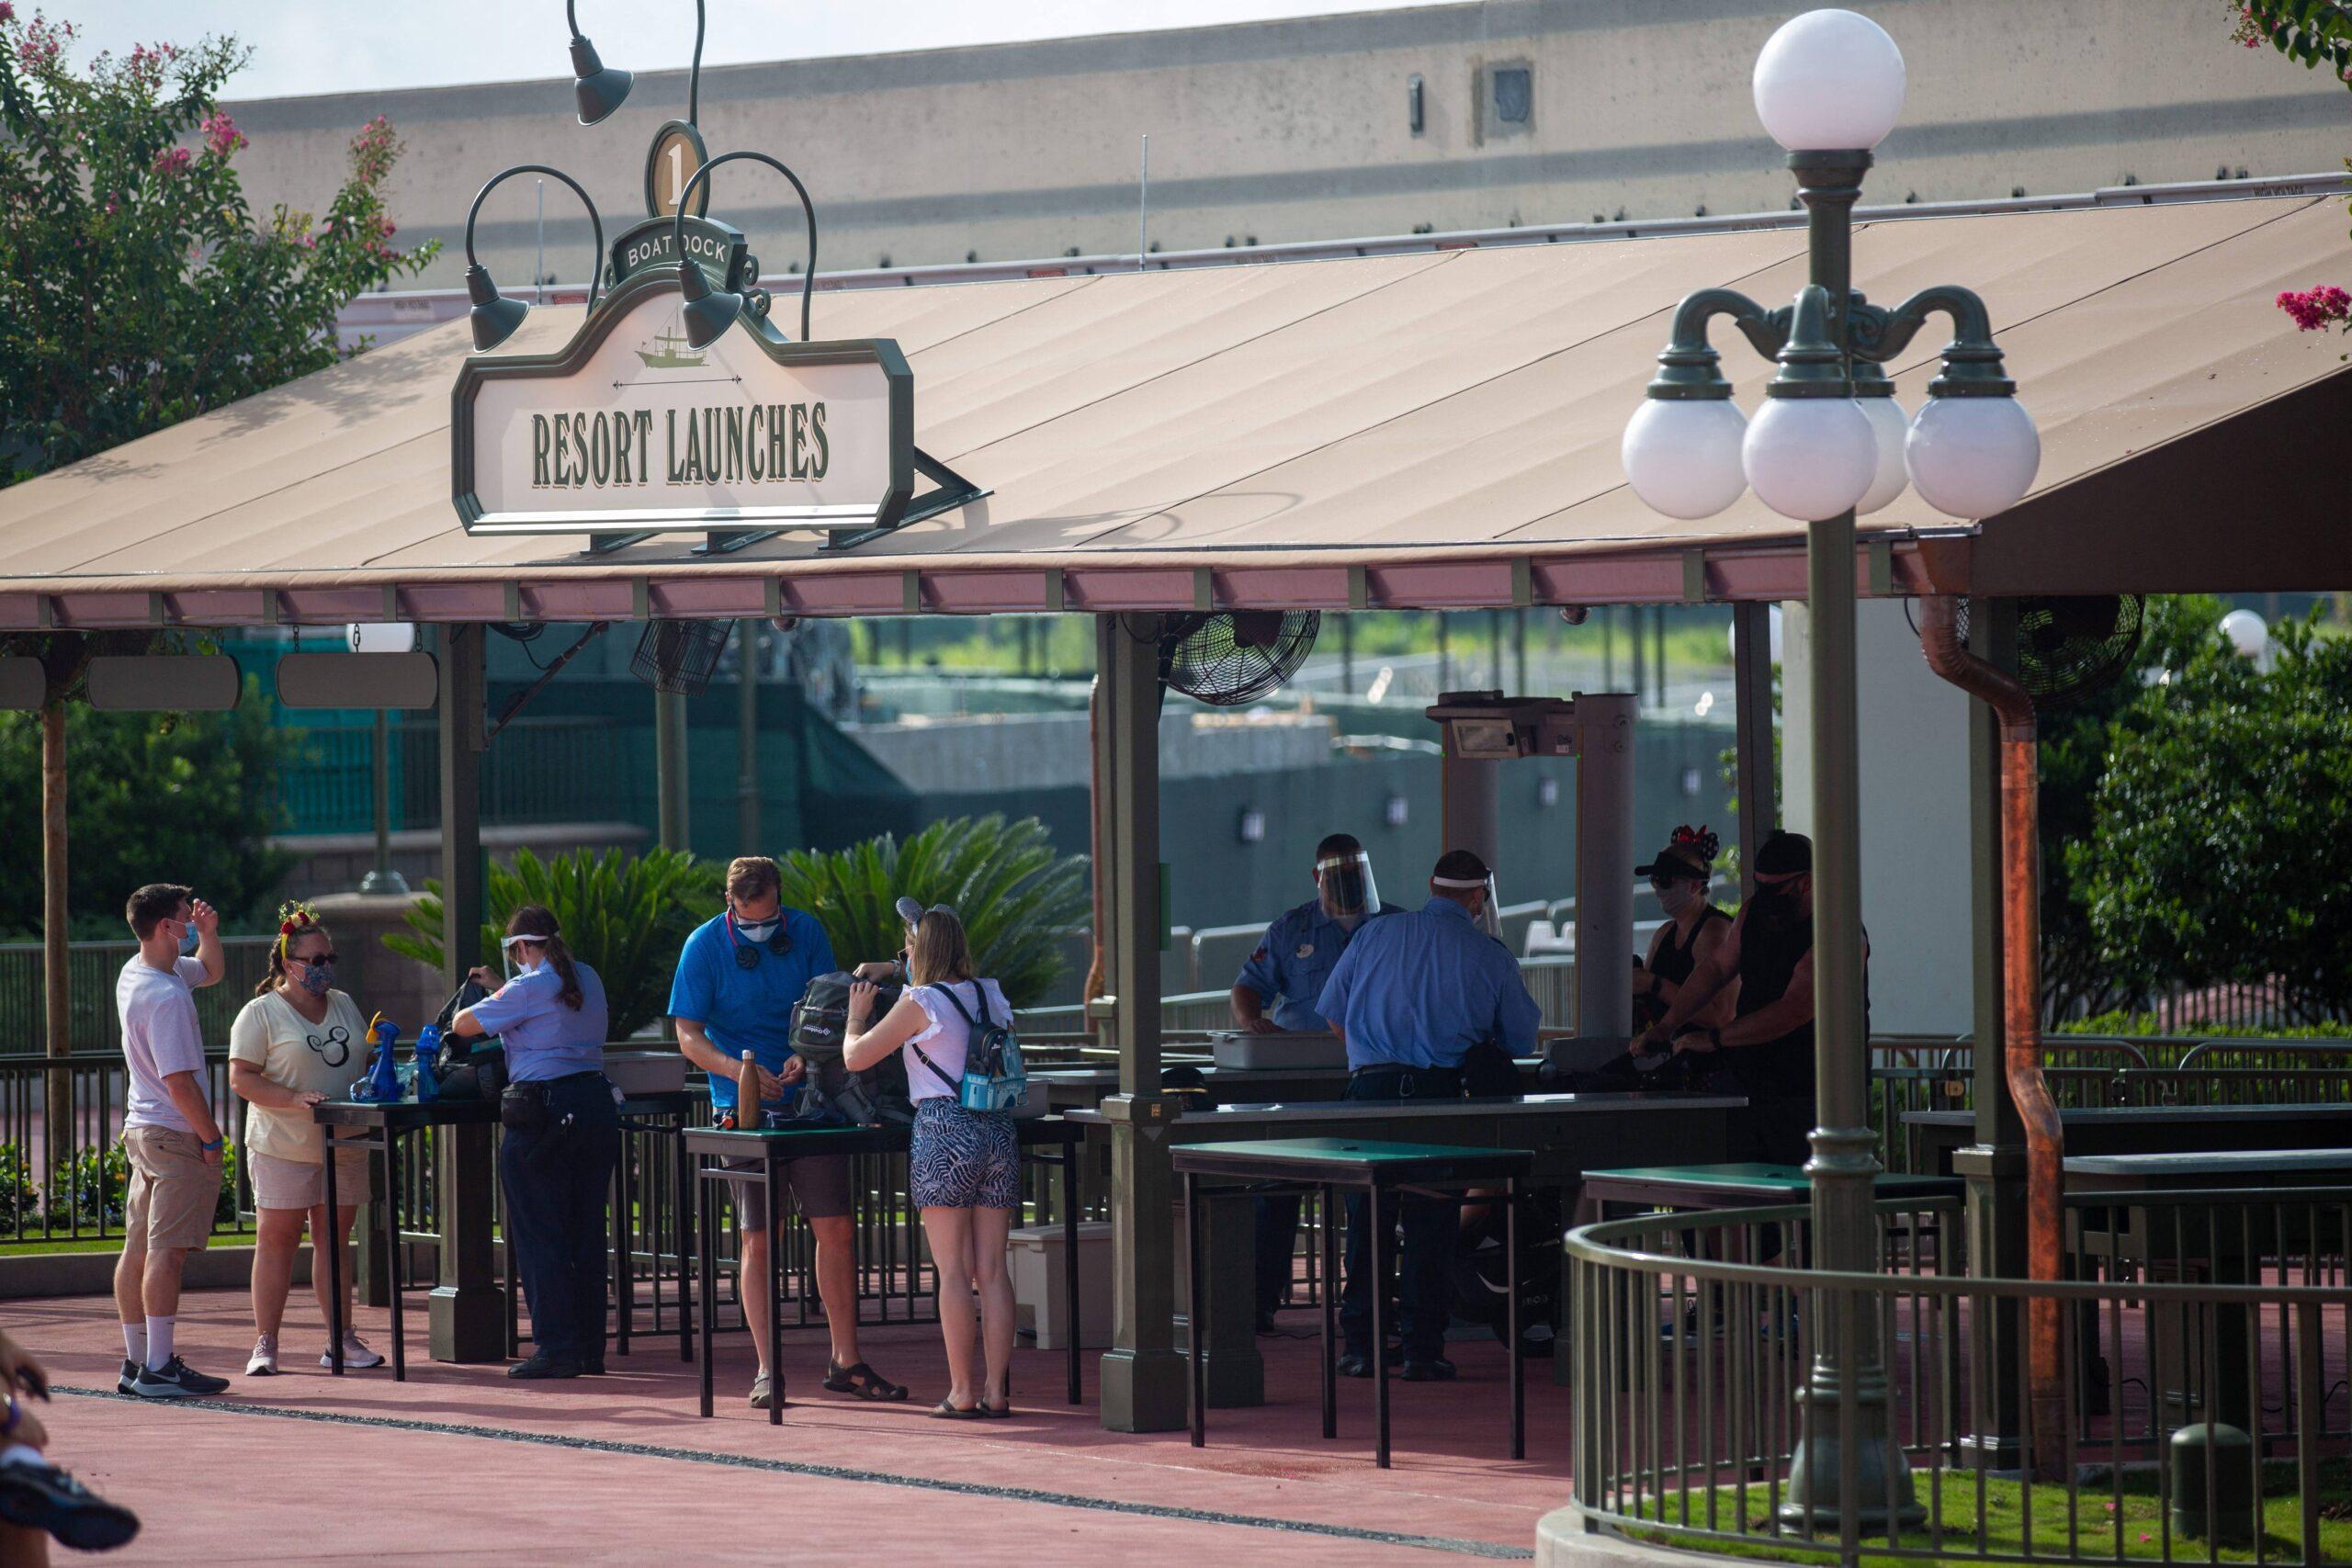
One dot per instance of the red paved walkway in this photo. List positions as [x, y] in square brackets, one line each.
[225, 1485]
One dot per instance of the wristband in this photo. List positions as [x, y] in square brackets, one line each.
[14, 1418]
[210, 1147]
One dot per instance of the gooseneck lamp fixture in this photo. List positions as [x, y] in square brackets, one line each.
[1829, 442]
[495, 318]
[599, 89]
[711, 312]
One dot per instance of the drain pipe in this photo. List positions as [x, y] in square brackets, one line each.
[2045, 1141]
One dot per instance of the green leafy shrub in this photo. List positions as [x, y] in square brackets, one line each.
[1003, 879]
[624, 915]
[19, 1198]
[87, 1192]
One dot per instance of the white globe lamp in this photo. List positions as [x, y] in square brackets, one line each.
[1829, 81]
[1972, 458]
[1890, 428]
[1731, 636]
[2247, 633]
[1682, 455]
[1810, 458]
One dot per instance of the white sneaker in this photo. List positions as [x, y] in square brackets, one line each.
[356, 1356]
[264, 1360]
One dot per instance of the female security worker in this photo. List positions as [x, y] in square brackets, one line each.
[556, 1166]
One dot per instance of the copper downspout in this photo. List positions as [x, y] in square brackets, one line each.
[2045, 1141]
[1095, 979]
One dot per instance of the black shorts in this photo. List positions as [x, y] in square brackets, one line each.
[820, 1185]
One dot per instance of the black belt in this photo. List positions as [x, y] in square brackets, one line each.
[1437, 1081]
[567, 1077]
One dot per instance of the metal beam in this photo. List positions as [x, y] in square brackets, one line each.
[669, 782]
[747, 739]
[469, 1306]
[1758, 783]
[1143, 1377]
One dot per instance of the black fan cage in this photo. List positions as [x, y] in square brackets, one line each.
[680, 657]
[2069, 646]
[1236, 656]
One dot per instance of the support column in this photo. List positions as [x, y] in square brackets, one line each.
[468, 1311]
[670, 768]
[1994, 1165]
[1143, 1377]
[1470, 807]
[747, 738]
[1604, 865]
[1758, 783]
[57, 987]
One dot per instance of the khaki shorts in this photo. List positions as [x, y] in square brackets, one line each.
[293, 1184]
[173, 1191]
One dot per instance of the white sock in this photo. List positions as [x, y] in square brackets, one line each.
[159, 1342]
[20, 1453]
[134, 1342]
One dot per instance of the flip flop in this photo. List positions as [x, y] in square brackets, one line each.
[947, 1412]
[997, 1412]
[862, 1381]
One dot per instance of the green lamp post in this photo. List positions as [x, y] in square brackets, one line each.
[1831, 442]
[492, 316]
[598, 89]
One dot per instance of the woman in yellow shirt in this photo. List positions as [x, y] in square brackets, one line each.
[299, 1041]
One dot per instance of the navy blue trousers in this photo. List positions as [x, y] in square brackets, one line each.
[1425, 1268]
[557, 1178]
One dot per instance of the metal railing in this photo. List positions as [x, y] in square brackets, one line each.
[65, 1177]
[92, 968]
[1693, 1340]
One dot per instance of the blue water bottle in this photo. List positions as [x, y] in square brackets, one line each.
[428, 1046]
[383, 1084]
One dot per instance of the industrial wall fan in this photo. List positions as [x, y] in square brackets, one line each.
[2073, 646]
[1233, 657]
[679, 657]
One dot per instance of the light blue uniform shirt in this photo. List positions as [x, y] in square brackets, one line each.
[747, 1009]
[545, 1039]
[1294, 960]
[1419, 989]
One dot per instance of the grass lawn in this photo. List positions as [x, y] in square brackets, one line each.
[222, 1235]
[2094, 1520]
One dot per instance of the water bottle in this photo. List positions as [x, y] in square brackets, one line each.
[383, 1084]
[428, 1046]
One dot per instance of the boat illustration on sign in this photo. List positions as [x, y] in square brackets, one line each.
[669, 351]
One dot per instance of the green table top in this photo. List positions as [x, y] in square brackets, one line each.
[1350, 1151]
[1757, 1178]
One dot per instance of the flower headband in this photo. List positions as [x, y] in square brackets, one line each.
[294, 918]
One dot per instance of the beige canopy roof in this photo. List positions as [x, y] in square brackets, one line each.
[1431, 430]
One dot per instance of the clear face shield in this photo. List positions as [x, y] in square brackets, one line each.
[1344, 880]
[1488, 918]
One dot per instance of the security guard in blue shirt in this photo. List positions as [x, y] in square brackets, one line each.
[1411, 996]
[1275, 994]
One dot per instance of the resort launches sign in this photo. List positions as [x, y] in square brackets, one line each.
[631, 429]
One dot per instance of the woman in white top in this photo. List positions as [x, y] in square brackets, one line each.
[299, 1041]
[967, 1164]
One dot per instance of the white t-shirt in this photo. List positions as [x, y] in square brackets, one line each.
[945, 1039]
[324, 1057]
[160, 1037]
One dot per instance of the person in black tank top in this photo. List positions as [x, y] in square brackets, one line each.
[1768, 1044]
[1694, 928]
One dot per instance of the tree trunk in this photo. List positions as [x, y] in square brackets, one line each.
[57, 1123]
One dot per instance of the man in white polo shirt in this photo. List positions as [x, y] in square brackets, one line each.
[168, 1132]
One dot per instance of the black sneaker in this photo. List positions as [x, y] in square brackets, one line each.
[122, 1384]
[543, 1365]
[1353, 1366]
[175, 1380]
[43, 1497]
[1437, 1369]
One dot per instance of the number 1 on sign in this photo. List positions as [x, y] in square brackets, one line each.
[677, 177]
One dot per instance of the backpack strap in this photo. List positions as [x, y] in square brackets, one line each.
[952, 1086]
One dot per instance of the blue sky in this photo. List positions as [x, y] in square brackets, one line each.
[326, 46]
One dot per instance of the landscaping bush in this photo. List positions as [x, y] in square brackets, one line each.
[19, 1198]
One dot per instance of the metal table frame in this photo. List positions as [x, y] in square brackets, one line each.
[1323, 1165]
[775, 1147]
[392, 1120]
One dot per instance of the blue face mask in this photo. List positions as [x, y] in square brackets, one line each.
[189, 940]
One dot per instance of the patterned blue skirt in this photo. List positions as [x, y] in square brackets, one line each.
[963, 1159]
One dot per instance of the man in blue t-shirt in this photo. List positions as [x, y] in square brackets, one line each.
[739, 975]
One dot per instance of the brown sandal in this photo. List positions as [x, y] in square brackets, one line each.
[862, 1381]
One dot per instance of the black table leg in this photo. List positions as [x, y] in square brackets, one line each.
[689, 1205]
[775, 1288]
[1329, 1295]
[1069, 1260]
[707, 1260]
[392, 1250]
[332, 1247]
[1379, 1264]
[1511, 1321]
[1195, 1309]
[624, 1270]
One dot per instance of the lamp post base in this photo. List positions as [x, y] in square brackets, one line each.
[1882, 1476]
[384, 882]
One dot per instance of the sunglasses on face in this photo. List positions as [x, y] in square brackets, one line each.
[313, 959]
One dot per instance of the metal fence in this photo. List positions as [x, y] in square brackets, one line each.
[92, 968]
[71, 1186]
[1699, 1421]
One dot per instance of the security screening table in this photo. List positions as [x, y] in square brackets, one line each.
[1044, 1140]
[1642, 1188]
[1382, 1172]
[383, 1125]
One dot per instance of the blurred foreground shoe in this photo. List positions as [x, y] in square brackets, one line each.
[38, 1495]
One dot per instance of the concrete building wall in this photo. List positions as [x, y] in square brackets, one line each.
[1298, 129]
[1914, 815]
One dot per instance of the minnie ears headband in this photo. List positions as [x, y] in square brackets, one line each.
[1701, 842]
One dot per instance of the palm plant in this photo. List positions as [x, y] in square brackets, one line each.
[1014, 896]
[624, 915]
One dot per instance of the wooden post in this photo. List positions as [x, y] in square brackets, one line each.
[56, 978]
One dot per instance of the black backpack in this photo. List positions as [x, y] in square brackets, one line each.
[832, 1092]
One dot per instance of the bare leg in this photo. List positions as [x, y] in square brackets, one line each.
[837, 1284]
[159, 1284]
[950, 1232]
[989, 1228]
[345, 1214]
[276, 1233]
[23, 1546]
[753, 1248]
[129, 1271]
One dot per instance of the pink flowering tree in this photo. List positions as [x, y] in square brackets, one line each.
[137, 285]
[2318, 34]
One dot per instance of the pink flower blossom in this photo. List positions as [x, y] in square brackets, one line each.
[7, 12]
[2315, 308]
[173, 161]
[220, 134]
